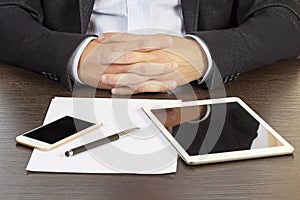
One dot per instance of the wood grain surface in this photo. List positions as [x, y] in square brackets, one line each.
[272, 91]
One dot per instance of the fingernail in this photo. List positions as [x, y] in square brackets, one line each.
[114, 91]
[173, 85]
[174, 65]
[103, 79]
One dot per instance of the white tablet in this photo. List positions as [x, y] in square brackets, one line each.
[217, 130]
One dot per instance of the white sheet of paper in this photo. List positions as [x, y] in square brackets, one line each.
[145, 151]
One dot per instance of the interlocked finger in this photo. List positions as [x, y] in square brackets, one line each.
[124, 79]
[147, 69]
[147, 86]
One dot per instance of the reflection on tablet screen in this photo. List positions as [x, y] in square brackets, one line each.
[190, 125]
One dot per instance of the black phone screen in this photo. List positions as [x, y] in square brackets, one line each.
[58, 130]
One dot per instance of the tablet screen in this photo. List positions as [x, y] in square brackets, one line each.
[192, 128]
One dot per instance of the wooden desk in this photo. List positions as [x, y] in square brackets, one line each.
[273, 92]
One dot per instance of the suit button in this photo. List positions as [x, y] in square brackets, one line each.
[226, 79]
[55, 77]
[44, 74]
[231, 77]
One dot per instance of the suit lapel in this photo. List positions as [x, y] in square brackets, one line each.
[85, 10]
[190, 11]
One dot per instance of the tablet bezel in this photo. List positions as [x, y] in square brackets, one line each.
[225, 156]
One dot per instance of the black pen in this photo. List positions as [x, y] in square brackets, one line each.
[100, 142]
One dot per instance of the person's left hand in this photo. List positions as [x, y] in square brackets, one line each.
[187, 55]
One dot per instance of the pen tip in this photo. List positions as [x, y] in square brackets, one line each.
[68, 153]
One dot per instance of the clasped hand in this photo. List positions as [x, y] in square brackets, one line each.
[130, 63]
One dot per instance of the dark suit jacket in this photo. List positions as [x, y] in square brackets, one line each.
[41, 35]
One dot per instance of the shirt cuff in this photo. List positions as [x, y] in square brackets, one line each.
[207, 53]
[73, 62]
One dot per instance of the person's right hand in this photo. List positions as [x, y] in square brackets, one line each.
[97, 57]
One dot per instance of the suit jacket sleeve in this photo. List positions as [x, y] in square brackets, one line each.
[26, 42]
[266, 31]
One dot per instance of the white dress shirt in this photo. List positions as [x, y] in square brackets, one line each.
[134, 16]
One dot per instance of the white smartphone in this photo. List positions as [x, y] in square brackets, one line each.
[56, 133]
